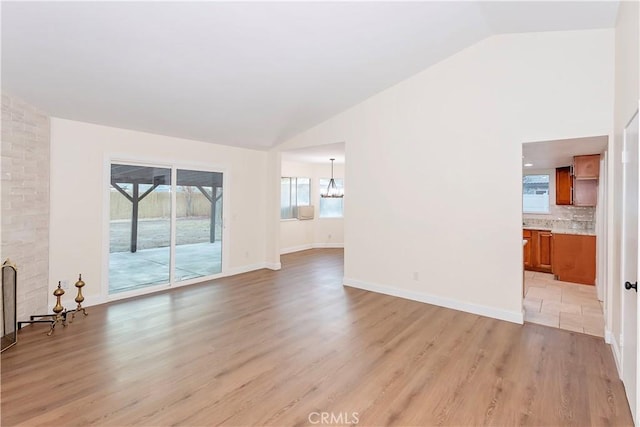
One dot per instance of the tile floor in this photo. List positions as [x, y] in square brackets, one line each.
[563, 305]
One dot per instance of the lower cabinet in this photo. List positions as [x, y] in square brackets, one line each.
[538, 250]
[544, 245]
[526, 235]
[574, 258]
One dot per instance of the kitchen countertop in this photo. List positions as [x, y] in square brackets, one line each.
[559, 230]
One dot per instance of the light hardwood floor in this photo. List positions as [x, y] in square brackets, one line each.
[270, 348]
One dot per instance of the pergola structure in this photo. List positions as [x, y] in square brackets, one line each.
[207, 182]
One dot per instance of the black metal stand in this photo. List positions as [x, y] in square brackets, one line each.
[74, 311]
[52, 322]
[59, 314]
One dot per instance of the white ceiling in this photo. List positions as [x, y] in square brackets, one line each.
[559, 153]
[244, 73]
[316, 154]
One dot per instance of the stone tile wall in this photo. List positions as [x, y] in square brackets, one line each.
[569, 217]
[24, 171]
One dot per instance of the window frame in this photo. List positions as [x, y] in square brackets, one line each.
[548, 194]
[293, 207]
[340, 183]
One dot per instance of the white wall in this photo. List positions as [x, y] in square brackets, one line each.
[320, 232]
[80, 153]
[627, 91]
[434, 209]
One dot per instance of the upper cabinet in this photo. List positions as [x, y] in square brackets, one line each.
[564, 186]
[579, 188]
[586, 170]
[585, 192]
[586, 167]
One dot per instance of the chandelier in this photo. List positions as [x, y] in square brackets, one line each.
[332, 190]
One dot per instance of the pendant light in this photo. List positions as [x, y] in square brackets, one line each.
[332, 190]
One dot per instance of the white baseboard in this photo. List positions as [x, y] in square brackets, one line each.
[295, 249]
[607, 336]
[328, 245]
[509, 316]
[273, 265]
[245, 269]
[615, 348]
[310, 246]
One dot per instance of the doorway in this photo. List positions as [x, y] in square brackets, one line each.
[309, 217]
[562, 240]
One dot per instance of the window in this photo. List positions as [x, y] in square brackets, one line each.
[535, 194]
[294, 192]
[329, 207]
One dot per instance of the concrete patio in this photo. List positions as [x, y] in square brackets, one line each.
[130, 271]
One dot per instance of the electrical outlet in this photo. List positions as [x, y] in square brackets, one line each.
[329, 236]
[416, 275]
[64, 284]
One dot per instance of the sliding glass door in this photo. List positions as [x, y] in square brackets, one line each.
[146, 204]
[139, 227]
[198, 224]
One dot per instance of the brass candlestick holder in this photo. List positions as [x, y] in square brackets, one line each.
[58, 316]
[79, 299]
[59, 313]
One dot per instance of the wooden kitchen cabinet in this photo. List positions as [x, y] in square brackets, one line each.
[564, 186]
[586, 167]
[586, 170]
[526, 235]
[585, 192]
[544, 245]
[578, 187]
[574, 258]
[538, 250]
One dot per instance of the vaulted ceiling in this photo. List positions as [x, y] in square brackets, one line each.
[243, 73]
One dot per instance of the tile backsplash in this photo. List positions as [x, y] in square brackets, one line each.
[570, 217]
